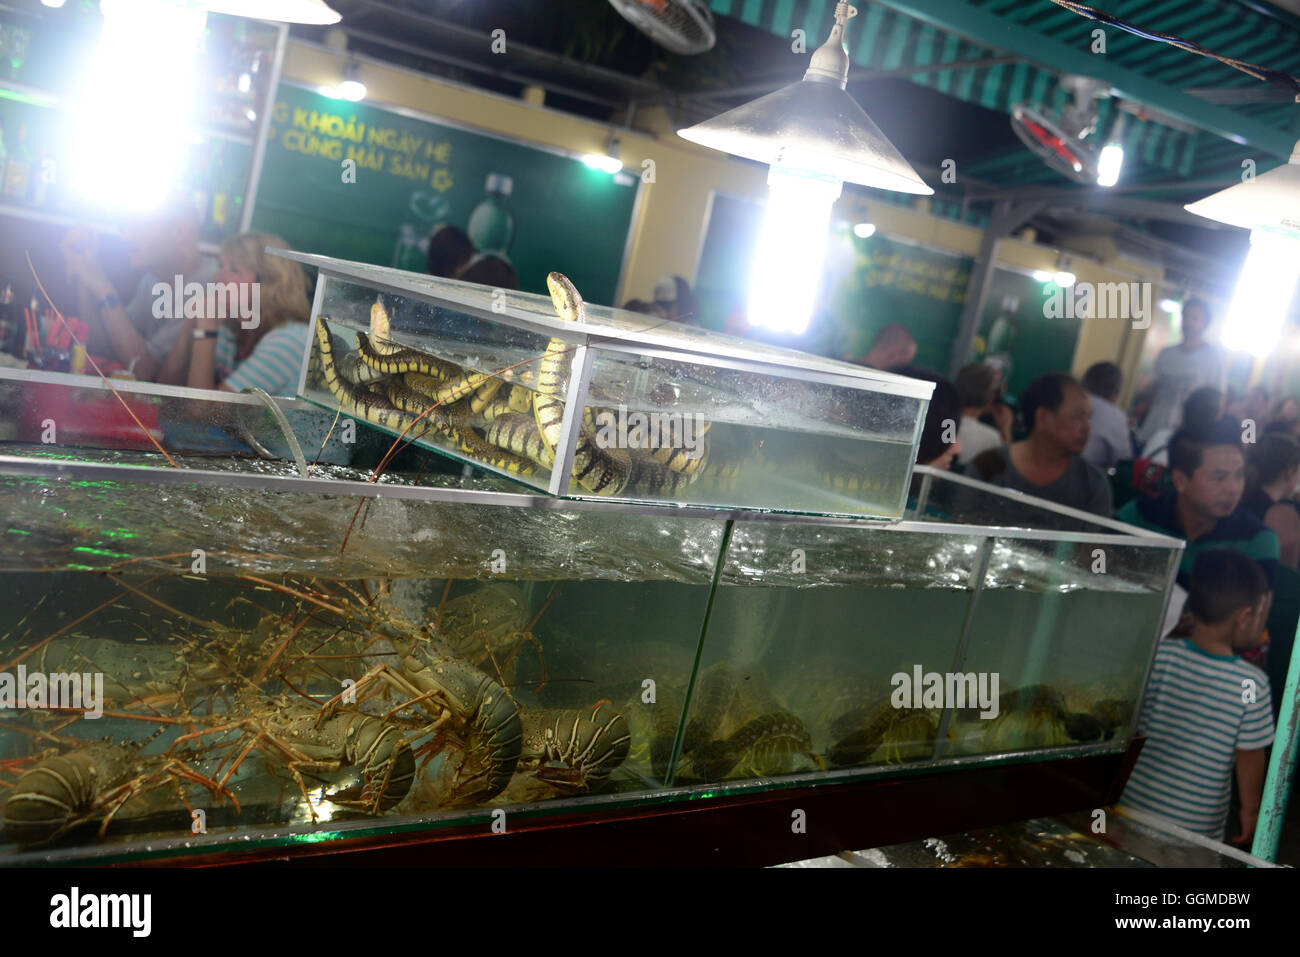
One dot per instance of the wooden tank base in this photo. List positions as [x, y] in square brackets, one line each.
[751, 830]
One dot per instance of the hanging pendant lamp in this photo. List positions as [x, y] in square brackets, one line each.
[814, 124]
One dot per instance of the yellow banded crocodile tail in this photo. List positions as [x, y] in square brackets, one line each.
[484, 394]
[648, 477]
[519, 434]
[355, 400]
[593, 467]
[452, 421]
[521, 399]
[683, 460]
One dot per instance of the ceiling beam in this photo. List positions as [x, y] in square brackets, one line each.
[762, 87]
[998, 33]
[434, 56]
[535, 56]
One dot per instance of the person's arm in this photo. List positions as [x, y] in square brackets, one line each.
[1250, 786]
[85, 271]
[128, 345]
[1003, 418]
[203, 354]
[1284, 520]
[176, 367]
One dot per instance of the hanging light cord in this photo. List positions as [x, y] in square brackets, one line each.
[1283, 80]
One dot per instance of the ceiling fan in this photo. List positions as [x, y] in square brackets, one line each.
[682, 26]
[1062, 144]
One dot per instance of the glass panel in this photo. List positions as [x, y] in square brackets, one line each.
[431, 379]
[808, 629]
[966, 501]
[486, 656]
[65, 414]
[474, 372]
[1068, 628]
[705, 434]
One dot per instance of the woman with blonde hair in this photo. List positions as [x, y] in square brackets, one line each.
[259, 338]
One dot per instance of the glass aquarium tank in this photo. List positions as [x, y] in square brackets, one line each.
[587, 401]
[207, 655]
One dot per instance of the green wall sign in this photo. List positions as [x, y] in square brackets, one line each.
[867, 284]
[1020, 333]
[361, 182]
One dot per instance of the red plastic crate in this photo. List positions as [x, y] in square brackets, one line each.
[89, 417]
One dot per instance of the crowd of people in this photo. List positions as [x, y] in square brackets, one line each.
[194, 342]
[196, 345]
[1218, 470]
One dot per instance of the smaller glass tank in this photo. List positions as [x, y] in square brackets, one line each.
[587, 401]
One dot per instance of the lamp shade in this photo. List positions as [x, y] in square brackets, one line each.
[288, 11]
[1269, 202]
[820, 124]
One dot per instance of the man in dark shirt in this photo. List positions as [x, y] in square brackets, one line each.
[1208, 471]
[1047, 463]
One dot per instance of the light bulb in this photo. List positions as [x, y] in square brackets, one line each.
[1264, 290]
[787, 267]
[864, 230]
[1042, 275]
[606, 164]
[1110, 164]
[289, 11]
[352, 88]
[1172, 306]
[1064, 279]
[140, 75]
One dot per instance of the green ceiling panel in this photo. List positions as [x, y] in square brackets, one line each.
[783, 17]
[1042, 81]
[968, 19]
[1171, 153]
[897, 34]
[965, 84]
[1019, 81]
[1188, 157]
[991, 96]
[926, 41]
[870, 31]
[898, 46]
[943, 80]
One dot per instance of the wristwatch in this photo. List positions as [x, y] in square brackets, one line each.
[108, 302]
[205, 334]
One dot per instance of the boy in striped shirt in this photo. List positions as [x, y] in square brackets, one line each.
[1206, 709]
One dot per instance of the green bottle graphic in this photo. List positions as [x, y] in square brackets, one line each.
[1001, 339]
[491, 225]
[412, 250]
